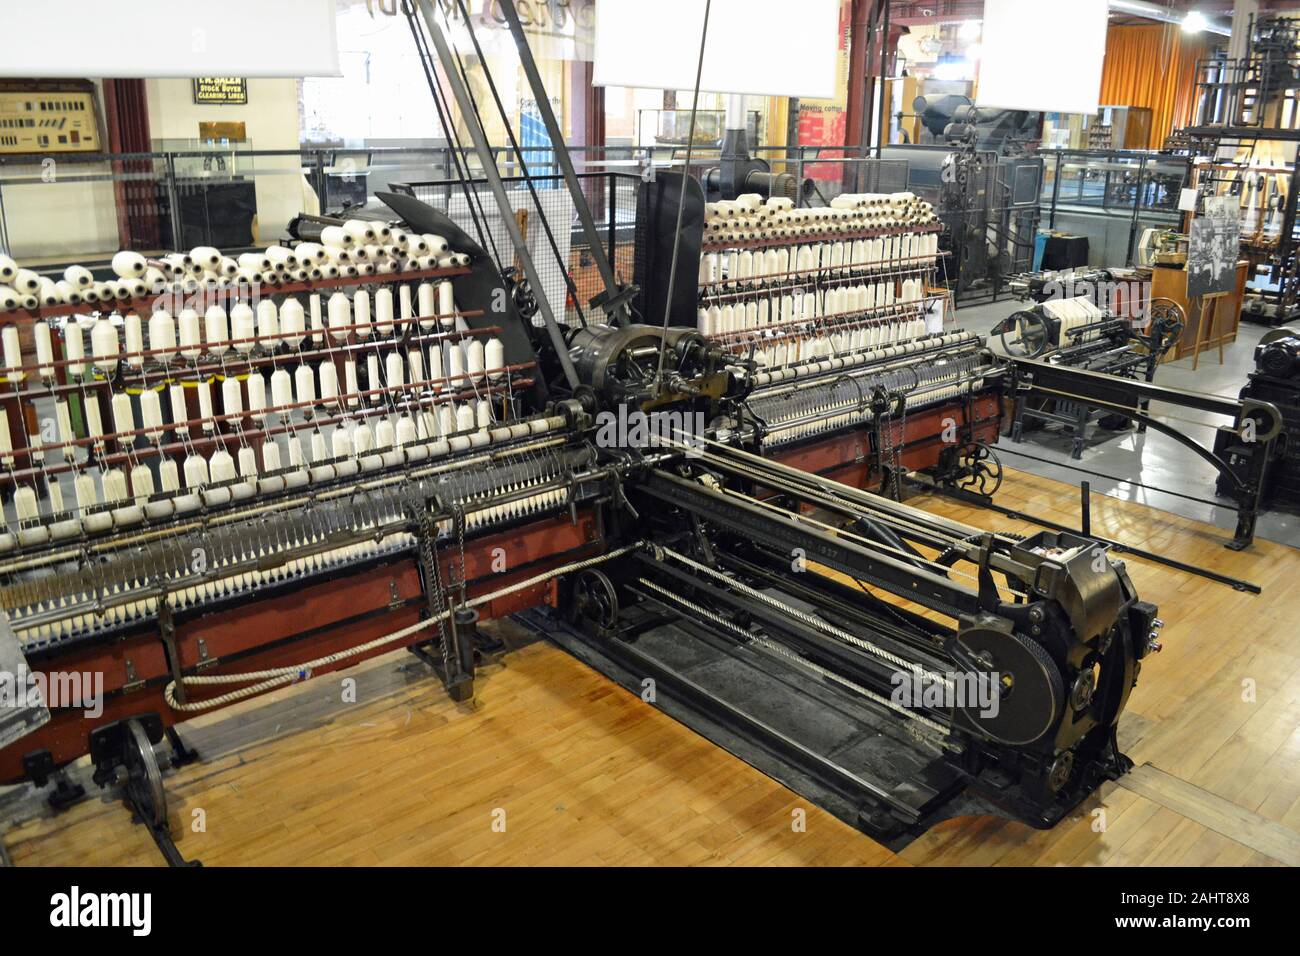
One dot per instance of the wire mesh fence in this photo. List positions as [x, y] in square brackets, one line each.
[548, 221]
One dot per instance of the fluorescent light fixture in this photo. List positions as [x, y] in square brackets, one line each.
[1194, 22]
[1037, 57]
[760, 47]
[171, 38]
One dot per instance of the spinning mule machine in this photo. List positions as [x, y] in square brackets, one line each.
[268, 467]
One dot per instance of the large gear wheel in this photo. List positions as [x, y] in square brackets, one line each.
[1031, 691]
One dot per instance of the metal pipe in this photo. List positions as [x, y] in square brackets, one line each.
[1149, 11]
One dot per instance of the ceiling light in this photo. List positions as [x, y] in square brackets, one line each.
[1194, 22]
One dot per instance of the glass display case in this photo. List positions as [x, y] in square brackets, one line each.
[1114, 180]
[1110, 196]
[208, 159]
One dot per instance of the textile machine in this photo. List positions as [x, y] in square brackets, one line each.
[271, 466]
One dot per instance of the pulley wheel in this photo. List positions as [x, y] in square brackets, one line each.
[1031, 338]
[595, 598]
[143, 783]
[1032, 694]
[979, 468]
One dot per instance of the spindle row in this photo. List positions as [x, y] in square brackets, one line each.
[741, 268]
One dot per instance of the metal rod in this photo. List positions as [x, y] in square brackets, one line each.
[1119, 546]
[499, 193]
[562, 158]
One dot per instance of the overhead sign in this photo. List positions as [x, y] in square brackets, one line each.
[222, 90]
[762, 47]
[174, 38]
[1037, 56]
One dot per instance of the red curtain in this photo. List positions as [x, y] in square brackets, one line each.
[126, 114]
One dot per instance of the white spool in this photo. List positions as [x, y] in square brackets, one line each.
[176, 397]
[129, 265]
[405, 310]
[222, 467]
[162, 335]
[474, 359]
[372, 378]
[340, 316]
[465, 420]
[435, 366]
[103, 344]
[350, 382]
[44, 348]
[203, 388]
[77, 276]
[317, 329]
[427, 305]
[196, 471]
[257, 396]
[361, 313]
[209, 257]
[329, 382]
[446, 305]
[243, 325]
[268, 324]
[304, 384]
[384, 311]
[494, 359]
[151, 413]
[455, 364]
[123, 416]
[141, 483]
[190, 334]
[281, 388]
[360, 231]
[216, 330]
[271, 456]
[232, 398]
[25, 506]
[13, 351]
[247, 462]
[393, 370]
[86, 491]
[169, 475]
[292, 322]
[335, 237]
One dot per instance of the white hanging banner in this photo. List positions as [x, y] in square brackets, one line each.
[170, 38]
[1042, 55]
[760, 47]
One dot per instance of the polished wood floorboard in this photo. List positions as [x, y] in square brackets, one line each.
[584, 773]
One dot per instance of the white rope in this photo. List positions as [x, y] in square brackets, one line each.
[279, 676]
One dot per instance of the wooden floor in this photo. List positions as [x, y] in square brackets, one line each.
[581, 772]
